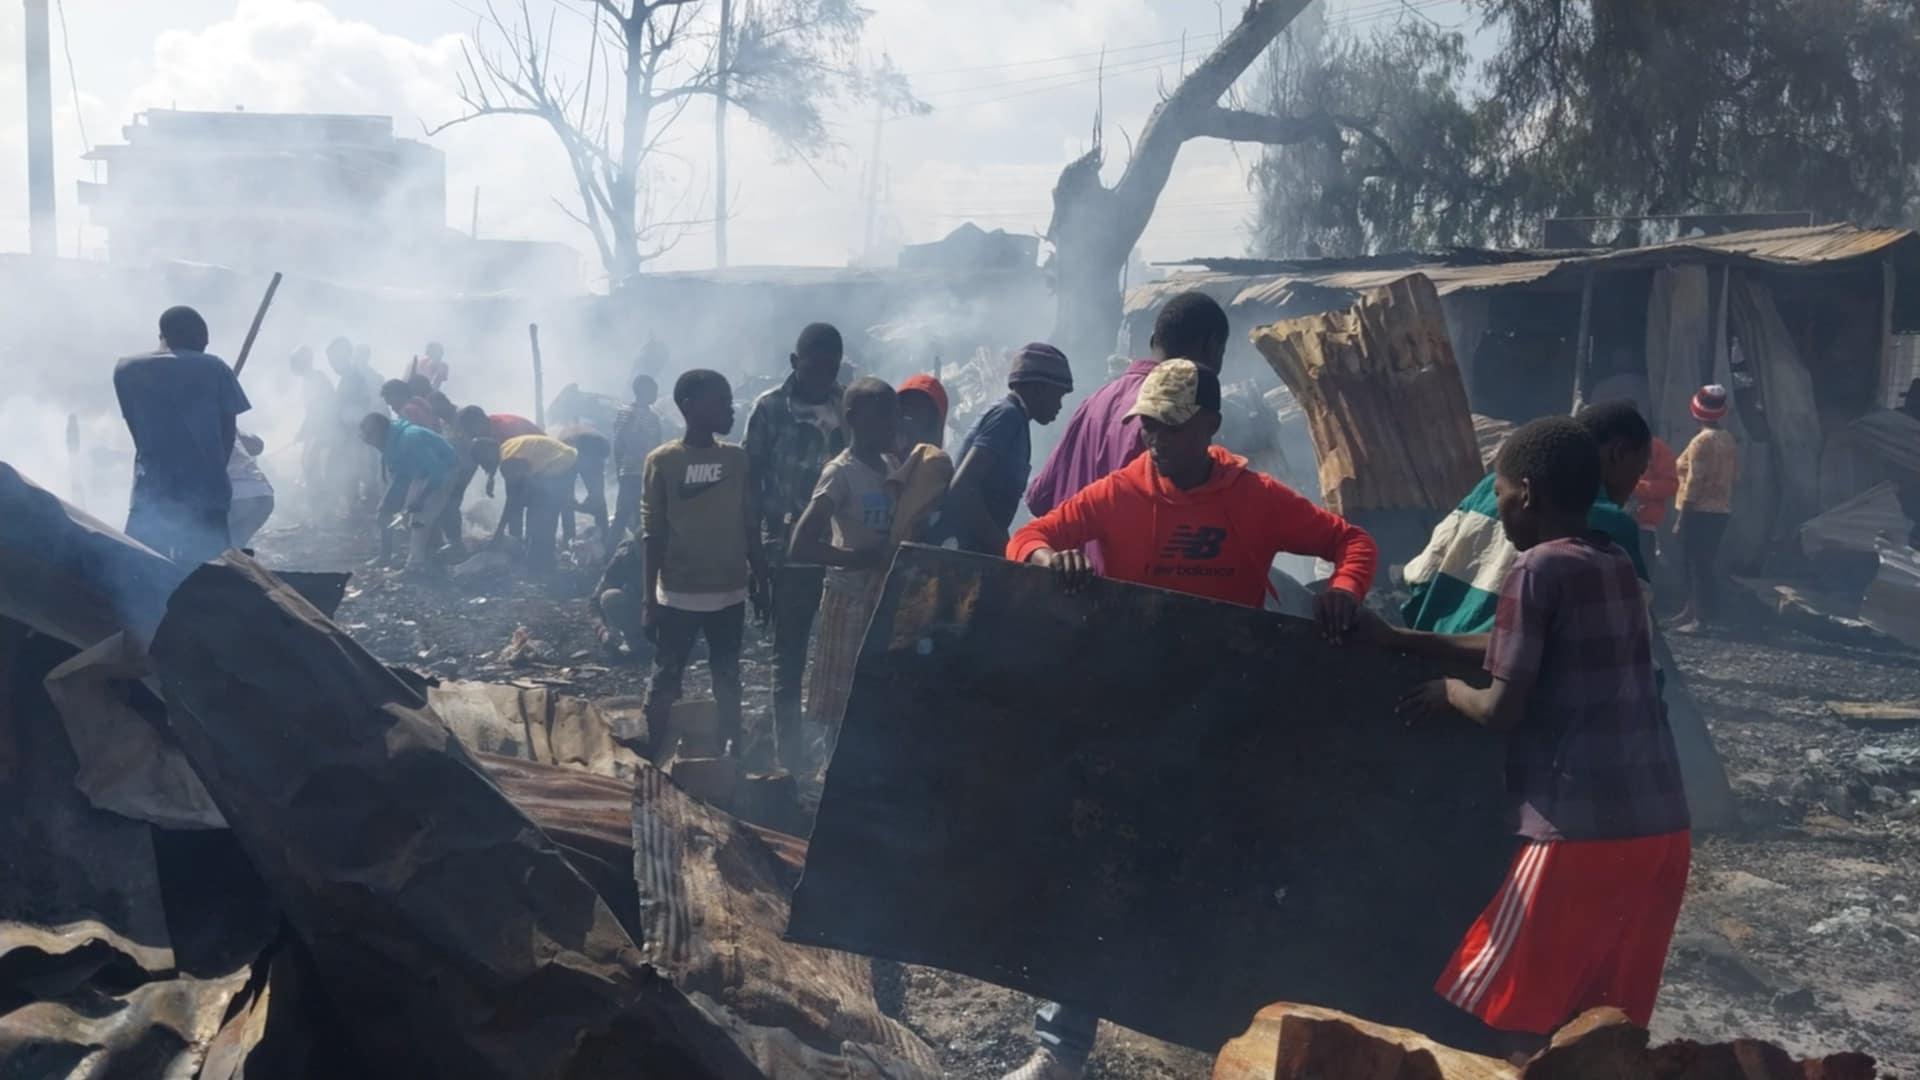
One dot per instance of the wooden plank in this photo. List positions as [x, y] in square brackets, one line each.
[1164, 809]
[1877, 713]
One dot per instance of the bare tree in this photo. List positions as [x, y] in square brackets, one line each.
[1094, 226]
[646, 61]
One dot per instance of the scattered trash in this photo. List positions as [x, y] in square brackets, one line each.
[1862, 924]
[524, 650]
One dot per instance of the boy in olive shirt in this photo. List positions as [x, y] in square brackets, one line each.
[695, 525]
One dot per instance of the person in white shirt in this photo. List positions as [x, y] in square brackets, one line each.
[252, 493]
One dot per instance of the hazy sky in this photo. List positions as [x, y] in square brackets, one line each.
[1013, 84]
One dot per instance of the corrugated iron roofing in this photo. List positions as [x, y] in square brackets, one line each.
[1809, 246]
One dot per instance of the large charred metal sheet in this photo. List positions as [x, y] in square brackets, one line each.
[452, 935]
[72, 576]
[1164, 809]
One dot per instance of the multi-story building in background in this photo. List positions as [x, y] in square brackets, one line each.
[326, 196]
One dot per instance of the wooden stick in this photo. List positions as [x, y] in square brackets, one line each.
[539, 383]
[253, 331]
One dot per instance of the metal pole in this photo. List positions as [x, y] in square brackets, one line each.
[1583, 347]
[539, 379]
[725, 49]
[259, 315]
[873, 183]
[40, 132]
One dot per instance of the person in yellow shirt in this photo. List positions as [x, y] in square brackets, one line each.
[540, 472]
[1707, 470]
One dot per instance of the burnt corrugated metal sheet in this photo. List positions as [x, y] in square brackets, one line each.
[1801, 248]
[1383, 398]
[1892, 436]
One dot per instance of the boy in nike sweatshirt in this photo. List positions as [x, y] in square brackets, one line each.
[1191, 517]
[695, 524]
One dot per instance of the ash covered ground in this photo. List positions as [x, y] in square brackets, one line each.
[1802, 927]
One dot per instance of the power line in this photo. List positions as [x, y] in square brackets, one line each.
[73, 80]
[1062, 78]
[1365, 11]
[1371, 11]
[1088, 76]
[1064, 56]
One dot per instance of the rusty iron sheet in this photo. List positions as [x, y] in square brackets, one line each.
[1383, 398]
[1164, 809]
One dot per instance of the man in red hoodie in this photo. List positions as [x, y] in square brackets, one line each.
[1190, 517]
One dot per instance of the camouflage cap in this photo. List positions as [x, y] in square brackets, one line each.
[1175, 390]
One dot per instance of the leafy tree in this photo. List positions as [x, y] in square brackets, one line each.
[1625, 107]
[1406, 179]
[1611, 108]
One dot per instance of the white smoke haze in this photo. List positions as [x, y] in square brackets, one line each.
[1014, 86]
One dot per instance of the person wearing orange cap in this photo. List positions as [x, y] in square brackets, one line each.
[919, 485]
[1707, 470]
[923, 413]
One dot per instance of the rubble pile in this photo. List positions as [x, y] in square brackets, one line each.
[375, 905]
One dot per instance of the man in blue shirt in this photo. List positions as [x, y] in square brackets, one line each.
[181, 406]
[422, 465]
[996, 455]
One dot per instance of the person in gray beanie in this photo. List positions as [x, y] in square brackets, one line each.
[996, 456]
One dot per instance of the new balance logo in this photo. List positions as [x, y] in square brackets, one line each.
[1195, 543]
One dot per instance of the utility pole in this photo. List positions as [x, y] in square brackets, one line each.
[40, 132]
[725, 58]
[873, 181]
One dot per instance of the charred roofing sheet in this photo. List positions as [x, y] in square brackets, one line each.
[1806, 247]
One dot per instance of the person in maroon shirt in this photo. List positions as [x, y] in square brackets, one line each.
[477, 423]
[414, 410]
[1588, 908]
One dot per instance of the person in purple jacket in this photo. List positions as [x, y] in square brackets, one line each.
[1100, 439]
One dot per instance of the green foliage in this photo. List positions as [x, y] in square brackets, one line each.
[789, 60]
[1402, 175]
[1596, 107]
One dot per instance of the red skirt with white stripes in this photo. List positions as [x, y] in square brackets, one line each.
[1578, 924]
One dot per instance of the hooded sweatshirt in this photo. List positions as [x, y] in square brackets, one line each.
[1216, 541]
